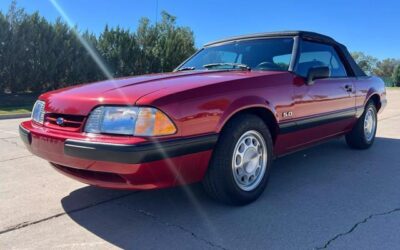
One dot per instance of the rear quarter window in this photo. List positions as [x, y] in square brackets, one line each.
[316, 55]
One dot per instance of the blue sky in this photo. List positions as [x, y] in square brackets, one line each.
[369, 26]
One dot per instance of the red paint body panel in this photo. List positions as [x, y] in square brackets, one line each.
[290, 142]
[48, 144]
[198, 103]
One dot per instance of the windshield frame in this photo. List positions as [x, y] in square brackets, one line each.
[292, 63]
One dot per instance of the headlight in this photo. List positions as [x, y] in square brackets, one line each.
[38, 111]
[139, 121]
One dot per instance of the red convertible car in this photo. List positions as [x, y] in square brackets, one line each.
[221, 117]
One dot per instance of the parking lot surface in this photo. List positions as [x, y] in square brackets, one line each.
[328, 196]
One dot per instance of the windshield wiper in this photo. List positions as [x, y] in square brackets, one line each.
[186, 68]
[234, 65]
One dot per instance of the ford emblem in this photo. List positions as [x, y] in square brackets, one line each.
[60, 121]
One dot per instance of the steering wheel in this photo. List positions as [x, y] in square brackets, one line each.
[268, 65]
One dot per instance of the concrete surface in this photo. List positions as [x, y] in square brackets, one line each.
[328, 196]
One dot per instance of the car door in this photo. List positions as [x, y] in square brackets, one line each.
[325, 107]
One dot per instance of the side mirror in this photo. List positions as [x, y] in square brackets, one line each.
[317, 73]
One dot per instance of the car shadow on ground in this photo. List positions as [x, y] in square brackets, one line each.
[312, 196]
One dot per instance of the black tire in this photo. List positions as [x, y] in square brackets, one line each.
[219, 181]
[357, 138]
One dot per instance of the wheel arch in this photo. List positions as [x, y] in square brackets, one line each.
[376, 99]
[261, 109]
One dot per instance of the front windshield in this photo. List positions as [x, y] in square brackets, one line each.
[258, 54]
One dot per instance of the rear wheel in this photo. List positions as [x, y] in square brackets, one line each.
[363, 134]
[239, 169]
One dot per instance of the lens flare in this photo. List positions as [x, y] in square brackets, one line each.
[188, 192]
[92, 52]
[173, 168]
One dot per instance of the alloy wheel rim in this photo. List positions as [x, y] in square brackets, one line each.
[249, 160]
[369, 124]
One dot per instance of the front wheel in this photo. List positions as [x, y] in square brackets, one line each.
[241, 161]
[363, 134]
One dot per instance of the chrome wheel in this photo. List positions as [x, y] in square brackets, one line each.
[369, 124]
[249, 160]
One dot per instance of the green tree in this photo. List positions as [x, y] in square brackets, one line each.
[386, 67]
[174, 44]
[119, 49]
[61, 54]
[367, 63]
[4, 47]
[33, 35]
[82, 67]
[163, 46]
[396, 76]
[147, 35]
[37, 55]
[92, 71]
[13, 48]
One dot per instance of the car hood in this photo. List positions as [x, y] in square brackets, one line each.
[81, 99]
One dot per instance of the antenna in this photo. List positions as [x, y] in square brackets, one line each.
[156, 12]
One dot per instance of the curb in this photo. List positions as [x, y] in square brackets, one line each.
[14, 116]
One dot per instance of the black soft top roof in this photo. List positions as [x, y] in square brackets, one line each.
[303, 34]
[357, 71]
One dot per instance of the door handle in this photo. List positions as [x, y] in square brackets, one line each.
[348, 88]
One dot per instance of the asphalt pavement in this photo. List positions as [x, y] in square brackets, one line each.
[328, 196]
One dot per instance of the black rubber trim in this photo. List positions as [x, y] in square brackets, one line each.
[138, 153]
[25, 135]
[302, 34]
[293, 126]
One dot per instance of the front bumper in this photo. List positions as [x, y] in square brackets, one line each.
[142, 153]
[132, 164]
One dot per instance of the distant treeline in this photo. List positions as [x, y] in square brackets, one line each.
[37, 55]
[388, 69]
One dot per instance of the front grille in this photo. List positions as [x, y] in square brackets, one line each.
[69, 122]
